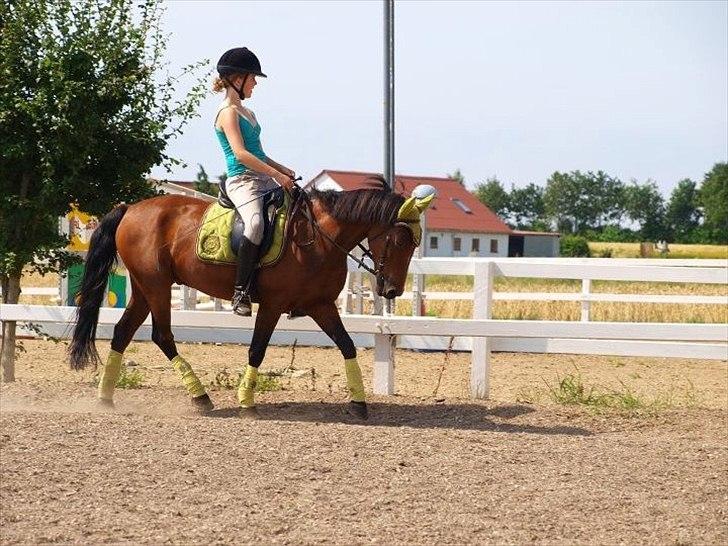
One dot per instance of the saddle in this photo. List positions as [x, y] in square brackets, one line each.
[221, 230]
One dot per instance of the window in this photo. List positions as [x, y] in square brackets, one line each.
[433, 242]
[456, 244]
[475, 246]
[462, 206]
[494, 246]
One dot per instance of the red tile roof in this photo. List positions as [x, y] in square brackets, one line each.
[444, 214]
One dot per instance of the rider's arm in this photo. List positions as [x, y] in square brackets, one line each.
[280, 168]
[229, 124]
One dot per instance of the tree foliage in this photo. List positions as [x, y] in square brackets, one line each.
[714, 200]
[682, 215]
[492, 194]
[84, 115]
[203, 184]
[457, 176]
[645, 206]
[579, 201]
[526, 207]
[85, 112]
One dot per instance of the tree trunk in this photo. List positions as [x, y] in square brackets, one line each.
[11, 293]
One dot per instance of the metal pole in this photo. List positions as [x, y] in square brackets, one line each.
[389, 92]
[389, 103]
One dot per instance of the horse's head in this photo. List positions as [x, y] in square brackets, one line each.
[392, 247]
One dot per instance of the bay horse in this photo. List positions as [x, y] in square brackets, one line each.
[155, 239]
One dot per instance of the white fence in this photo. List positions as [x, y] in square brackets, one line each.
[482, 335]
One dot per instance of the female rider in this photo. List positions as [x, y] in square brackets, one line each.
[250, 172]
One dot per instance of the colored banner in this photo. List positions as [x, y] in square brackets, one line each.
[80, 228]
[115, 289]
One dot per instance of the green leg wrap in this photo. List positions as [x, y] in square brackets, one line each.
[189, 379]
[246, 390]
[354, 380]
[110, 376]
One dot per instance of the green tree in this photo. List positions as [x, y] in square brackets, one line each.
[457, 176]
[85, 113]
[713, 197]
[578, 201]
[526, 207]
[683, 216]
[646, 206]
[492, 195]
[203, 184]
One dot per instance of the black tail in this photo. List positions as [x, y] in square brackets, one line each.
[101, 257]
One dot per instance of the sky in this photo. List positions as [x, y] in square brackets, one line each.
[516, 90]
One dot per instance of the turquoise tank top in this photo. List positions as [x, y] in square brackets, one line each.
[251, 138]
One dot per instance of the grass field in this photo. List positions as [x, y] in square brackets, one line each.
[632, 250]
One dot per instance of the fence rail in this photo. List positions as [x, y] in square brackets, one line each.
[481, 334]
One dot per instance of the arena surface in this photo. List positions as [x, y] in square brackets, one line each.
[430, 466]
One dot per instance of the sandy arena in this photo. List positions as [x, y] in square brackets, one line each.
[430, 466]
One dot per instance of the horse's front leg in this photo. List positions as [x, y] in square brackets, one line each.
[327, 317]
[265, 323]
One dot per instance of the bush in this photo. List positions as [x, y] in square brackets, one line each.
[574, 246]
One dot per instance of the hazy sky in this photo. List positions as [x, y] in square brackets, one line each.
[512, 89]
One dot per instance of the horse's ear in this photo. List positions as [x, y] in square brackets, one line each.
[408, 210]
[415, 205]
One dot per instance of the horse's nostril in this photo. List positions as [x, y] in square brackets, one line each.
[391, 293]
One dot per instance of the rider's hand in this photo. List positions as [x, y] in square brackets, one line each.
[284, 180]
[290, 173]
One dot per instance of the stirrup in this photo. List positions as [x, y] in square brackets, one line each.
[241, 304]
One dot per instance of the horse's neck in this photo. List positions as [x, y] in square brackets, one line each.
[345, 235]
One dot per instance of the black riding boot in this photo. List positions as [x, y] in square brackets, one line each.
[247, 259]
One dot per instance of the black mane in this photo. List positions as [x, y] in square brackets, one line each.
[368, 206]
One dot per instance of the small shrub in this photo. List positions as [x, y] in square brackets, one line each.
[574, 246]
[130, 379]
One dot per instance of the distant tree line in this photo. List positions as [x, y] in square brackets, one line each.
[603, 208]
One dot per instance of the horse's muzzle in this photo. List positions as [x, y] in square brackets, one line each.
[387, 289]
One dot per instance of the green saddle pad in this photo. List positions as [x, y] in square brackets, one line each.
[213, 236]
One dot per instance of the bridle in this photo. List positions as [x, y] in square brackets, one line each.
[378, 269]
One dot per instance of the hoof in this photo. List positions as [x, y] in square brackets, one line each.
[105, 404]
[358, 410]
[203, 403]
[249, 413]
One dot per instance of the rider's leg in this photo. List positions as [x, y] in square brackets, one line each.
[246, 193]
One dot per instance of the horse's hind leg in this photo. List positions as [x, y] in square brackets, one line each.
[133, 316]
[160, 304]
[327, 317]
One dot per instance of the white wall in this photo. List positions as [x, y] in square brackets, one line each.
[445, 244]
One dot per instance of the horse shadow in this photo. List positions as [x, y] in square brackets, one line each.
[476, 417]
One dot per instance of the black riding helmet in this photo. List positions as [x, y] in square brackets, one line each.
[238, 60]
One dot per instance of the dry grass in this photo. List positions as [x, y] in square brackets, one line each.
[632, 250]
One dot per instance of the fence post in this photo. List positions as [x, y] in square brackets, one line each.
[218, 304]
[384, 363]
[482, 309]
[189, 298]
[585, 303]
[418, 287]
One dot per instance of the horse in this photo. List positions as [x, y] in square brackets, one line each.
[155, 239]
